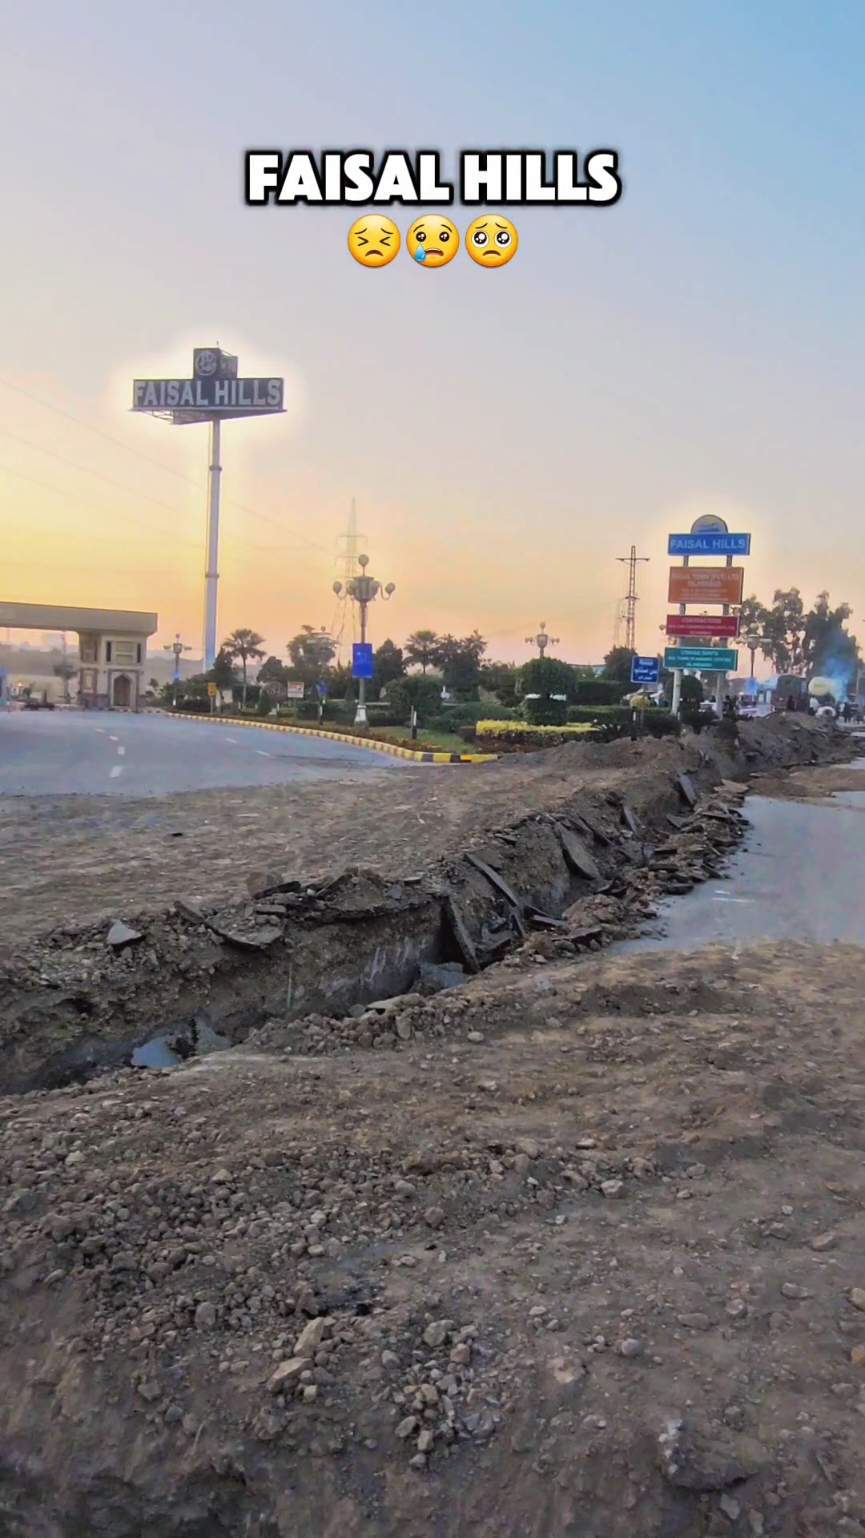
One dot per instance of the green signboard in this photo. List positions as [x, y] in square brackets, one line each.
[701, 659]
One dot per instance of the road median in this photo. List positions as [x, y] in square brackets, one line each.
[414, 755]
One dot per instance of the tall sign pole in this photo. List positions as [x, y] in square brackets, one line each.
[211, 573]
[704, 585]
[214, 394]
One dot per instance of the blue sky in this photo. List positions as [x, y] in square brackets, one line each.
[507, 434]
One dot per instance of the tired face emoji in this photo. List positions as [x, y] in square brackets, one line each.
[374, 240]
[433, 240]
[491, 240]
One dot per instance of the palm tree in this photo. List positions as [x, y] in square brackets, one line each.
[422, 647]
[242, 645]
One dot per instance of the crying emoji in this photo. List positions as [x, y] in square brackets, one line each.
[433, 241]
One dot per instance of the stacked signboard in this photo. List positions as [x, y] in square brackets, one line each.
[719, 587]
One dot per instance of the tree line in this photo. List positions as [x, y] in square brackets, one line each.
[794, 639]
[457, 664]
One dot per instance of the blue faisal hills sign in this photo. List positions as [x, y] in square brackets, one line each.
[709, 543]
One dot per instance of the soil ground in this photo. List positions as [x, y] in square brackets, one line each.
[575, 1249]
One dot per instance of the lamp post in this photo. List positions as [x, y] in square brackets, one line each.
[363, 590]
[177, 647]
[752, 641]
[542, 640]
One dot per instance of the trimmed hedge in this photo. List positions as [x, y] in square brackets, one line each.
[598, 691]
[610, 715]
[546, 712]
[452, 717]
[521, 735]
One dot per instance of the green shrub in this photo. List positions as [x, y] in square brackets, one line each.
[610, 715]
[383, 713]
[546, 712]
[452, 717]
[415, 692]
[598, 691]
[662, 723]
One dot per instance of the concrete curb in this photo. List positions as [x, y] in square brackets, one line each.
[354, 742]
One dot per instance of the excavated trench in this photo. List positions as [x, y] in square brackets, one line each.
[192, 980]
[196, 981]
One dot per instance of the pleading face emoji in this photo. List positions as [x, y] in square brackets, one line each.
[373, 240]
[491, 240]
[433, 241]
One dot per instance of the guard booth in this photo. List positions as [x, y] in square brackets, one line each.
[112, 648]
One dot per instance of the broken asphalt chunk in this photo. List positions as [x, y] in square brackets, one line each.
[495, 880]
[461, 935]
[576, 854]
[687, 789]
[630, 819]
[249, 940]
[120, 935]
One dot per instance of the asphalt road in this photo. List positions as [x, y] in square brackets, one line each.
[59, 752]
[799, 876]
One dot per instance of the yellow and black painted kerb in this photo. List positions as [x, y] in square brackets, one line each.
[417, 757]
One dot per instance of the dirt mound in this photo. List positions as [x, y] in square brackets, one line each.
[564, 1264]
[572, 878]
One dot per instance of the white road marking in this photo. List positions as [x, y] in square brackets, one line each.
[261, 753]
[101, 730]
[118, 769]
[115, 739]
[232, 740]
[121, 751]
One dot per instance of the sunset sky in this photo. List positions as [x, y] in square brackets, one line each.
[507, 434]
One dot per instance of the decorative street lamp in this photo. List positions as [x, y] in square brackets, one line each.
[752, 641]
[178, 648]
[363, 590]
[542, 640]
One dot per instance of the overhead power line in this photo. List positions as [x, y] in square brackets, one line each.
[149, 459]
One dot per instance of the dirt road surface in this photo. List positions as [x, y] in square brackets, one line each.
[573, 1249]
[74, 859]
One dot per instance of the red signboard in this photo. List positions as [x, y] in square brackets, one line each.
[706, 584]
[726, 625]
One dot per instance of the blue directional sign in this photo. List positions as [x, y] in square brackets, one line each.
[645, 670]
[322, 687]
[709, 544]
[361, 660]
[701, 659]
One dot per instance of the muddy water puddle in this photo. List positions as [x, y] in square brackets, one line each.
[800, 875]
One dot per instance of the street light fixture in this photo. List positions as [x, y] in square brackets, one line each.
[363, 590]
[177, 647]
[542, 640]
[752, 641]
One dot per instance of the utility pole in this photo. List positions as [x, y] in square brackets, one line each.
[347, 547]
[630, 599]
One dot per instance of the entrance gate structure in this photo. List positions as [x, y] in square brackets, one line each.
[112, 648]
